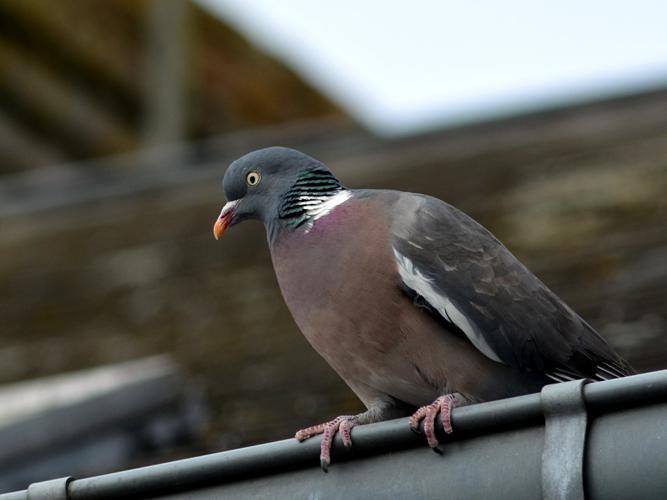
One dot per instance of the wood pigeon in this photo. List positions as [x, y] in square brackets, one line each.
[415, 305]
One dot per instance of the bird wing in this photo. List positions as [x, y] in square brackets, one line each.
[452, 266]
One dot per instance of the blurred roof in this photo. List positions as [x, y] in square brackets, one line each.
[112, 260]
[107, 418]
[77, 81]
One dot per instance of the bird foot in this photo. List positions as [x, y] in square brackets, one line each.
[342, 425]
[443, 405]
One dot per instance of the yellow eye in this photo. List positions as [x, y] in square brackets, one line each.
[253, 178]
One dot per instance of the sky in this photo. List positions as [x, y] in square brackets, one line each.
[402, 67]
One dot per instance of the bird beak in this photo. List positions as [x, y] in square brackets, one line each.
[224, 219]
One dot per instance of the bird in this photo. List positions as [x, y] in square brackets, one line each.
[415, 305]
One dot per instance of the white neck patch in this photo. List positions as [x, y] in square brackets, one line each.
[319, 207]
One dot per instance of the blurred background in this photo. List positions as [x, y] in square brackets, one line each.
[128, 336]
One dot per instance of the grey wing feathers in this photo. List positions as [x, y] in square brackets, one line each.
[465, 274]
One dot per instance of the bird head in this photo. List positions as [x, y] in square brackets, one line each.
[260, 186]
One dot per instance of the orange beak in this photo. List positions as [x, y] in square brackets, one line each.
[224, 219]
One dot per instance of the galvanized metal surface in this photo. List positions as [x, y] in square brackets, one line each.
[54, 489]
[496, 452]
[565, 419]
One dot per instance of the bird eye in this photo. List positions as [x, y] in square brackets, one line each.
[252, 178]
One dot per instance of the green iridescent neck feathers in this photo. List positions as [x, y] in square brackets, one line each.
[308, 196]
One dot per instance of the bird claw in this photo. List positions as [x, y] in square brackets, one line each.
[342, 425]
[415, 430]
[443, 405]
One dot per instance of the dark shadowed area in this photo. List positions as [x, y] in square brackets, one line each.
[109, 260]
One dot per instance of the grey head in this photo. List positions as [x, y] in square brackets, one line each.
[278, 186]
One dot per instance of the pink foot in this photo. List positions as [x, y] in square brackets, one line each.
[342, 424]
[444, 405]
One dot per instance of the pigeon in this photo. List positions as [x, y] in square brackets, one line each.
[415, 305]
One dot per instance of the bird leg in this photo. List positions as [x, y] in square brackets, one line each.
[342, 425]
[381, 407]
[443, 405]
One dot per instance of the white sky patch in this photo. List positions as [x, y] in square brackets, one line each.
[404, 66]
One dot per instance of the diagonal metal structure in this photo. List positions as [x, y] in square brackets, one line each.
[598, 440]
[95, 420]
